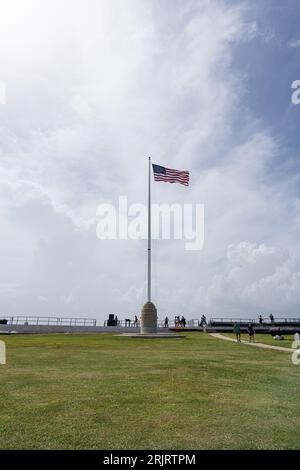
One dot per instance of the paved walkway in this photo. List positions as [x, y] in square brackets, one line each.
[258, 345]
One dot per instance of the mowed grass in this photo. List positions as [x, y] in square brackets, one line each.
[109, 392]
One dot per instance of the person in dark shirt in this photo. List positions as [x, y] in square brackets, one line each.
[251, 333]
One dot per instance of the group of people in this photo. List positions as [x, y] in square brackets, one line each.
[250, 330]
[128, 321]
[179, 322]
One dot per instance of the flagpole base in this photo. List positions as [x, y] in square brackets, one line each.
[149, 319]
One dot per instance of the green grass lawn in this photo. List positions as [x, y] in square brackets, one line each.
[107, 392]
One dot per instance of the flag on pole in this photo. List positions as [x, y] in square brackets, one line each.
[170, 176]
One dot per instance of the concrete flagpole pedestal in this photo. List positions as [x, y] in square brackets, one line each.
[148, 326]
[148, 322]
[148, 319]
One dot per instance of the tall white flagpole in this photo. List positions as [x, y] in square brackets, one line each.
[149, 312]
[149, 234]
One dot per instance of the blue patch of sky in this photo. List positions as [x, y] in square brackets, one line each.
[268, 65]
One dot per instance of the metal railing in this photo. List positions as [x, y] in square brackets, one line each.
[31, 320]
[265, 320]
[287, 320]
[124, 323]
[195, 323]
[34, 320]
[232, 320]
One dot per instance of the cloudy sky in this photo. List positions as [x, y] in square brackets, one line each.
[95, 86]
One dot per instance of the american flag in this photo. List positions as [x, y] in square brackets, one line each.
[170, 176]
